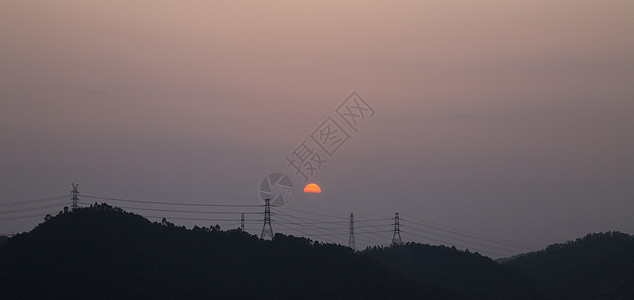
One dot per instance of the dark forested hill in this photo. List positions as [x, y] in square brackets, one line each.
[104, 252]
[3, 239]
[470, 274]
[597, 266]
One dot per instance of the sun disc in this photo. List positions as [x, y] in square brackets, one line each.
[312, 188]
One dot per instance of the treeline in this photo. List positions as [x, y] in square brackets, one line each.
[469, 274]
[597, 266]
[104, 252]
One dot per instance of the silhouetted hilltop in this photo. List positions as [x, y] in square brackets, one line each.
[510, 258]
[3, 239]
[597, 266]
[104, 252]
[470, 274]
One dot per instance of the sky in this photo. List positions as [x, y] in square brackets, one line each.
[511, 120]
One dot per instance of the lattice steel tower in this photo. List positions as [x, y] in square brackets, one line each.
[75, 198]
[396, 238]
[351, 238]
[267, 230]
[242, 223]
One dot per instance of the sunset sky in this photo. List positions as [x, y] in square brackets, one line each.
[510, 119]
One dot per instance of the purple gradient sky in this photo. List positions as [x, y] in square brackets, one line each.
[510, 119]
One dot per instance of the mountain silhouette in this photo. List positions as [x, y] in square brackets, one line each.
[597, 266]
[471, 275]
[104, 252]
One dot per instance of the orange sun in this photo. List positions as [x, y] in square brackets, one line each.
[312, 188]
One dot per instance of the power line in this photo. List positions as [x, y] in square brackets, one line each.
[453, 244]
[317, 214]
[328, 230]
[398, 233]
[371, 226]
[196, 219]
[172, 193]
[193, 211]
[345, 233]
[288, 222]
[465, 241]
[302, 218]
[471, 234]
[483, 242]
[372, 220]
[21, 217]
[303, 232]
[280, 214]
[369, 241]
[317, 221]
[18, 203]
[185, 211]
[313, 227]
[306, 234]
[307, 223]
[31, 208]
[172, 203]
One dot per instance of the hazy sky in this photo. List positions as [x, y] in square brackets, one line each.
[512, 119]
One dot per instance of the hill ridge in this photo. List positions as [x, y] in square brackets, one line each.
[102, 251]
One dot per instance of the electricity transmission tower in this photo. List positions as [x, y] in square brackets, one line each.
[242, 223]
[396, 238]
[351, 238]
[75, 193]
[267, 230]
